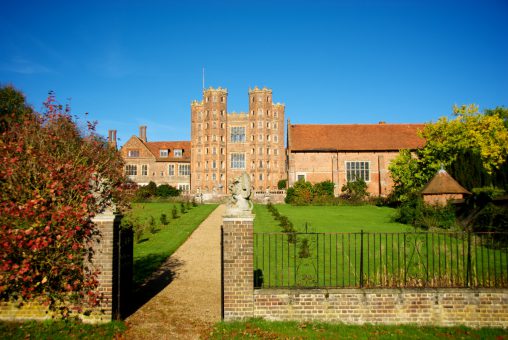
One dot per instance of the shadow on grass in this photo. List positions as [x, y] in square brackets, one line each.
[152, 274]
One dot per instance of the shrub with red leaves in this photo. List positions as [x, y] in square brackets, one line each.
[53, 179]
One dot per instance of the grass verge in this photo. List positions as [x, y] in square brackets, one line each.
[52, 329]
[154, 248]
[261, 329]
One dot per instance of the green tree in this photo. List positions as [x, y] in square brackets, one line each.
[500, 111]
[483, 137]
[13, 106]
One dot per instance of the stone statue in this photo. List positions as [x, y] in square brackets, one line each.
[239, 203]
[100, 189]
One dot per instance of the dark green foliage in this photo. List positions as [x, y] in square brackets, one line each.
[138, 232]
[355, 191]
[282, 184]
[304, 193]
[13, 106]
[284, 222]
[182, 208]
[304, 251]
[152, 227]
[324, 189]
[164, 219]
[165, 190]
[151, 188]
[414, 212]
[174, 213]
[290, 196]
[194, 203]
[468, 170]
[491, 218]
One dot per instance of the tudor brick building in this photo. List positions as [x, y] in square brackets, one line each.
[341, 153]
[224, 145]
[163, 162]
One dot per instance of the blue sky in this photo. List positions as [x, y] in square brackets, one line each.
[129, 63]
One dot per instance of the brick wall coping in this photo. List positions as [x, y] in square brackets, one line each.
[297, 291]
[105, 217]
[238, 219]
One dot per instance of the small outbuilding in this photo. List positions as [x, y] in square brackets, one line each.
[443, 188]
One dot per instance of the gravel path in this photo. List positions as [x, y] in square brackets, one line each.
[190, 304]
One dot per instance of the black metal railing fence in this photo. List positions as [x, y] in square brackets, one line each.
[367, 259]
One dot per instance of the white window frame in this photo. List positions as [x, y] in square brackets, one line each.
[184, 169]
[361, 169]
[178, 153]
[301, 174]
[171, 170]
[237, 160]
[184, 187]
[133, 153]
[131, 170]
[237, 134]
[144, 170]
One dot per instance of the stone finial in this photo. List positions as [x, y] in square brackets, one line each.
[239, 204]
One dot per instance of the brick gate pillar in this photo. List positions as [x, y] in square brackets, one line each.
[238, 267]
[105, 259]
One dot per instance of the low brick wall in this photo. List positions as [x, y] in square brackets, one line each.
[425, 306]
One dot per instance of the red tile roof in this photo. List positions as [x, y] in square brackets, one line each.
[443, 183]
[355, 137]
[155, 147]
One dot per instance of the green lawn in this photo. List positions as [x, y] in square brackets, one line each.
[154, 248]
[330, 218]
[335, 254]
[260, 329]
[52, 329]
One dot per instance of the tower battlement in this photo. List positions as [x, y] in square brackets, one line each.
[258, 90]
[218, 89]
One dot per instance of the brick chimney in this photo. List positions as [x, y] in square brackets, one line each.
[142, 133]
[112, 139]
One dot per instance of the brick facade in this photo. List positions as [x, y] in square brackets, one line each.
[318, 153]
[331, 166]
[238, 267]
[156, 161]
[216, 142]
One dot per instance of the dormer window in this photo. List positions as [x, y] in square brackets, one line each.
[178, 152]
[133, 153]
[163, 152]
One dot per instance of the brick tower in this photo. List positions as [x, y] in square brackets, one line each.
[224, 145]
